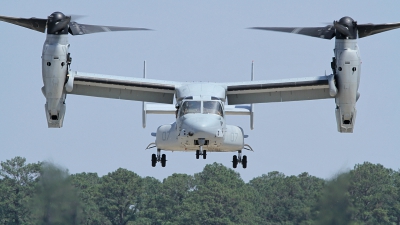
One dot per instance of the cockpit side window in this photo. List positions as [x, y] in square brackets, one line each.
[190, 107]
[212, 107]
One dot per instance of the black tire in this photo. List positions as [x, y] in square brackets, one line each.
[244, 162]
[163, 160]
[197, 154]
[204, 154]
[234, 161]
[153, 160]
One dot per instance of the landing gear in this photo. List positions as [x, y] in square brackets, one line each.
[235, 161]
[239, 160]
[157, 158]
[153, 160]
[163, 160]
[244, 162]
[201, 152]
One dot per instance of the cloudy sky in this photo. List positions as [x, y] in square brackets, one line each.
[201, 41]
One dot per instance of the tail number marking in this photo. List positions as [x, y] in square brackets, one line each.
[165, 136]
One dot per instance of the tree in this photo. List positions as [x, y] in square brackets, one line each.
[219, 197]
[16, 189]
[150, 210]
[175, 189]
[119, 198]
[395, 210]
[286, 200]
[373, 193]
[87, 185]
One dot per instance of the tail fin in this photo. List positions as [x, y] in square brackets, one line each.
[252, 104]
[143, 103]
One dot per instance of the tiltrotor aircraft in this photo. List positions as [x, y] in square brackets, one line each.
[200, 108]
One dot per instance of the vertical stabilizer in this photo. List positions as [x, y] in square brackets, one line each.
[143, 103]
[252, 104]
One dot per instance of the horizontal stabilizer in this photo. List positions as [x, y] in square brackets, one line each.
[237, 110]
[160, 109]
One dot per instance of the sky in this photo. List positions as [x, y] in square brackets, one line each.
[203, 41]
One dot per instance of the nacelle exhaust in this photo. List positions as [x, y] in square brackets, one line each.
[345, 120]
[55, 120]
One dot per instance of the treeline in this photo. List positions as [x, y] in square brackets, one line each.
[42, 193]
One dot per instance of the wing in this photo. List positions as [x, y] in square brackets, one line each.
[127, 88]
[296, 89]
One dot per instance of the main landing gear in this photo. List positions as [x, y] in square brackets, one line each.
[157, 158]
[239, 159]
[201, 152]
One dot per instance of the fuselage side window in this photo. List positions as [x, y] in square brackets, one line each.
[212, 107]
[190, 107]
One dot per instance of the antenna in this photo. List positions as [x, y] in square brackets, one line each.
[252, 70]
[144, 69]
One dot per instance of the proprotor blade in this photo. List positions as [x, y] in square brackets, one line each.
[369, 29]
[80, 29]
[327, 32]
[76, 17]
[31, 23]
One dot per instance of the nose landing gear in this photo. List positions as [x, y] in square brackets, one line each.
[238, 159]
[202, 152]
[158, 158]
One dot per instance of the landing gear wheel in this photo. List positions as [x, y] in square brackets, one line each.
[204, 154]
[163, 160]
[197, 154]
[244, 162]
[234, 161]
[153, 160]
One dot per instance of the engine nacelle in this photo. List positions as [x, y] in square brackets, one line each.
[54, 72]
[348, 66]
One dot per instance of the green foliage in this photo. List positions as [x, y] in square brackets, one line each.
[87, 185]
[373, 193]
[150, 208]
[42, 193]
[119, 195]
[286, 199]
[219, 197]
[17, 186]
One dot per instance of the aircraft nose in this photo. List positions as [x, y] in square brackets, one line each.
[202, 126]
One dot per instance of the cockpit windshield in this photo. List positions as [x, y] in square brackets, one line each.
[190, 107]
[209, 107]
[212, 107]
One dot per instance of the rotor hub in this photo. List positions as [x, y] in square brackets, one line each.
[57, 23]
[346, 28]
